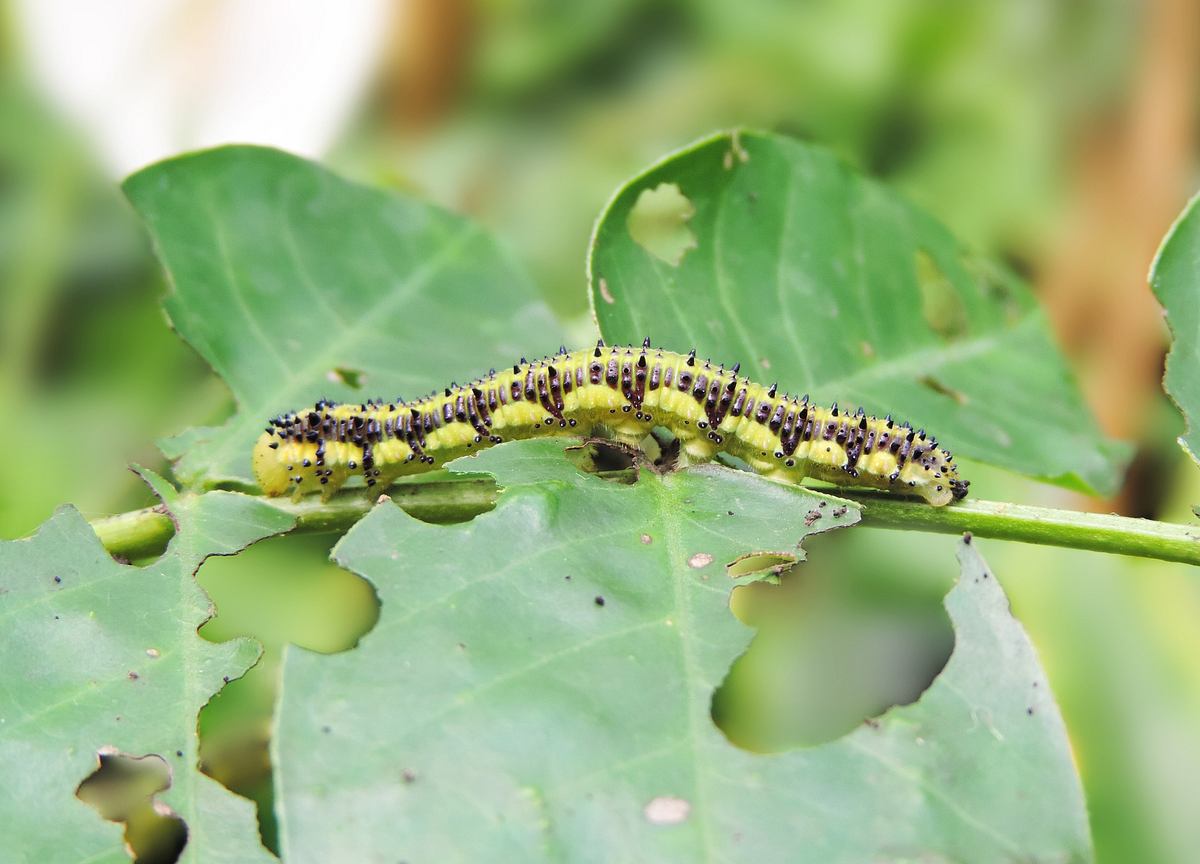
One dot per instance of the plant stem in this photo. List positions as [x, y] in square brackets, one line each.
[1045, 526]
[146, 532]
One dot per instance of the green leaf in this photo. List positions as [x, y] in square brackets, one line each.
[295, 284]
[1175, 277]
[831, 284]
[497, 712]
[98, 654]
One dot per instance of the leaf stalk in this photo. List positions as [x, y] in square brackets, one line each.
[144, 533]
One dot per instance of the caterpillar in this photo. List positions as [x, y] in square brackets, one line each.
[627, 391]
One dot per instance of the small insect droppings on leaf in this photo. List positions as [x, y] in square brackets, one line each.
[57, 580]
[599, 601]
[968, 537]
[133, 676]
[326, 730]
[1029, 711]
[647, 539]
[666, 810]
[811, 517]
[408, 776]
[839, 512]
[153, 653]
[604, 292]
[179, 753]
[700, 559]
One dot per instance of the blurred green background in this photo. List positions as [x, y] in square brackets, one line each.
[1061, 138]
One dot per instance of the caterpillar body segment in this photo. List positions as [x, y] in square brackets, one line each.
[626, 390]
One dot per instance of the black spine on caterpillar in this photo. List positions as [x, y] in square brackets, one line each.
[627, 391]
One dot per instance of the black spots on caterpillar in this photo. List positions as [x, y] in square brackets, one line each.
[650, 408]
[123, 789]
[658, 223]
[941, 305]
[355, 379]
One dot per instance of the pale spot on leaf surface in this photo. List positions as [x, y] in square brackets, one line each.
[667, 810]
[658, 223]
[700, 559]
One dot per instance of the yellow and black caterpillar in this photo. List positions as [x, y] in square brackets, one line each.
[628, 391]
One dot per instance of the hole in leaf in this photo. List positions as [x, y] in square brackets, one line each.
[122, 789]
[352, 378]
[658, 223]
[855, 629]
[768, 564]
[280, 590]
[944, 389]
[941, 305]
[611, 460]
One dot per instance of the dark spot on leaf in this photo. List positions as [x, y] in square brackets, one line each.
[326, 730]
[658, 223]
[599, 601]
[408, 776]
[122, 790]
[57, 580]
[811, 517]
[943, 389]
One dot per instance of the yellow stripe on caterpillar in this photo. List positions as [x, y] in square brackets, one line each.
[626, 390]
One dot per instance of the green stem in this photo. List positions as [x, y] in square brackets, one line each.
[146, 532]
[1045, 526]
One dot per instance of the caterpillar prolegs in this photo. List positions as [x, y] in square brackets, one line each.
[628, 391]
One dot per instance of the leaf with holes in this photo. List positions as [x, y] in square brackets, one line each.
[760, 249]
[1174, 277]
[295, 284]
[538, 688]
[103, 658]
